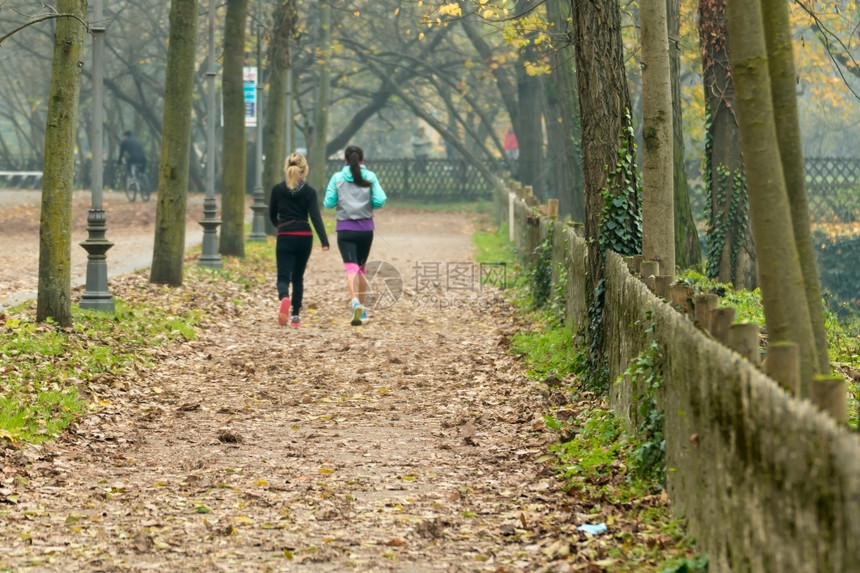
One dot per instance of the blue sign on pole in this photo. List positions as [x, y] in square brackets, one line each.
[250, 91]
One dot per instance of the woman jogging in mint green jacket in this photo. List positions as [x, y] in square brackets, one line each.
[356, 192]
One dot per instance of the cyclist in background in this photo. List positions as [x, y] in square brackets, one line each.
[131, 153]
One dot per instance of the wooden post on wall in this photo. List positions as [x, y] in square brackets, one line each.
[744, 339]
[648, 268]
[721, 322]
[680, 297]
[782, 363]
[662, 284]
[703, 305]
[829, 393]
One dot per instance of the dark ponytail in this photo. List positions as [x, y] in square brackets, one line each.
[354, 156]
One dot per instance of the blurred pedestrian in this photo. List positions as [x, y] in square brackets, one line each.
[131, 153]
[511, 145]
[421, 146]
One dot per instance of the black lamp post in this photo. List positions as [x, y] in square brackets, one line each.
[96, 295]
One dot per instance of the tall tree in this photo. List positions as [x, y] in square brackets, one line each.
[55, 224]
[284, 27]
[688, 250]
[169, 247]
[658, 209]
[317, 175]
[782, 81]
[529, 118]
[783, 293]
[731, 253]
[608, 152]
[563, 116]
[233, 181]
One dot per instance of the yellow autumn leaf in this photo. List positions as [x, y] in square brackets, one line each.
[243, 520]
[326, 471]
[450, 9]
[261, 483]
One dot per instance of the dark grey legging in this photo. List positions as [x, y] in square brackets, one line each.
[354, 246]
[292, 253]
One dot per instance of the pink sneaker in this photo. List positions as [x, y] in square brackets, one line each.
[284, 311]
[296, 321]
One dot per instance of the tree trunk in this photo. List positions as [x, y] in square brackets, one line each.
[783, 294]
[169, 247]
[317, 176]
[55, 222]
[731, 252]
[658, 209]
[233, 180]
[782, 81]
[688, 250]
[605, 116]
[608, 151]
[278, 57]
[563, 120]
[529, 124]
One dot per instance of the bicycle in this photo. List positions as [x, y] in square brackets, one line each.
[137, 183]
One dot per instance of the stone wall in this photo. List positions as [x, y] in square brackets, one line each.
[767, 482]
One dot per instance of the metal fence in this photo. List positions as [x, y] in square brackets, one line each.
[431, 180]
[833, 183]
[833, 188]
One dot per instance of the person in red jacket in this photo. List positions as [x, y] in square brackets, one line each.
[511, 146]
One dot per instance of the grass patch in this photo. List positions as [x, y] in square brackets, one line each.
[601, 465]
[492, 246]
[46, 371]
[548, 350]
[45, 366]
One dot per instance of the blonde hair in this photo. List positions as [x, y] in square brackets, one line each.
[295, 169]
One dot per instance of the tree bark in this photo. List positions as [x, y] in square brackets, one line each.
[688, 250]
[783, 294]
[782, 81]
[169, 247]
[563, 119]
[731, 252]
[233, 180]
[658, 209]
[317, 175]
[604, 102]
[278, 58]
[55, 222]
[529, 122]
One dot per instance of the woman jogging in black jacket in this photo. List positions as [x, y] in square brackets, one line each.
[291, 203]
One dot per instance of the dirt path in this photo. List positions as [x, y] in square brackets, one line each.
[131, 227]
[407, 444]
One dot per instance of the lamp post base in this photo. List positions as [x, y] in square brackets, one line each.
[258, 226]
[209, 256]
[96, 295]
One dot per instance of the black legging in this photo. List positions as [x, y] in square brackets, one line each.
[292, 253]
[354, 246]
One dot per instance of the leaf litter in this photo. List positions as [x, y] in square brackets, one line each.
[413, 443]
